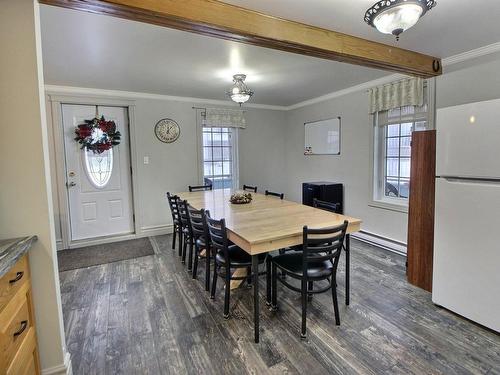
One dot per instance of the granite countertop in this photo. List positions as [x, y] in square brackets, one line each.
[12, 249]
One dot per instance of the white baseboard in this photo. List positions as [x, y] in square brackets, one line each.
[148, 231]
[380, 241]
[102, 240]
[156, 230]
[62, 369]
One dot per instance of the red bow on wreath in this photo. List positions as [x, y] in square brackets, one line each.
[97, 135]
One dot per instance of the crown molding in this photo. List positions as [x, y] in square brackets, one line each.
[461, 57]
[361, 87]
[118, 94]
[472, 54]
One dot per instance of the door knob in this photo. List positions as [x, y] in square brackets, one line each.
[70, 184]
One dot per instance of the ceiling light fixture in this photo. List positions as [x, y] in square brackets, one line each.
[239, 92]
[396, 16]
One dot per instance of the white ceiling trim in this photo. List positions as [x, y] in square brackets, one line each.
[119, 94]
[361, 87]
[469, 55]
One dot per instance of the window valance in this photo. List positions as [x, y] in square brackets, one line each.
[224, 118]
[406, 92]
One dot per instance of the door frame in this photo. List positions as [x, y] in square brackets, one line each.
[56, 101]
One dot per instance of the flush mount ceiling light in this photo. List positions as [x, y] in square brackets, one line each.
[397, 16]
[239, 92]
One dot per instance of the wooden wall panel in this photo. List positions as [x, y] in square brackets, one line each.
[421, 209]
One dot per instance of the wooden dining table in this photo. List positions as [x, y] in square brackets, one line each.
[266, 224]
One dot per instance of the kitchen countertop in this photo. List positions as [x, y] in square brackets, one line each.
[11, 249]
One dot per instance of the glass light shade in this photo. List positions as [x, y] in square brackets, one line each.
[239, 93]
[398, 19]
[240, 98]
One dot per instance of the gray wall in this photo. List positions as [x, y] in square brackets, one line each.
[352, 167]
[172, 167]
[468, 82]
[271, 148]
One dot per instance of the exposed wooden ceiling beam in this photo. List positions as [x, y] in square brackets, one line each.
[214, 18]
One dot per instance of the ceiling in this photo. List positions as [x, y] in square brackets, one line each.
[88, 50]
[452, 27]
[95, 51]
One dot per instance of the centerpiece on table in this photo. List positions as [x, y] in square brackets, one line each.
[240, 198]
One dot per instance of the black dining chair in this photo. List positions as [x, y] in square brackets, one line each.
[318, 261]
[279, 195]
[200, 188]
[327, 206]
[322, 205]
[187, 233]
[174, 209]
[201, 238]
[227, 257]
[250, 188]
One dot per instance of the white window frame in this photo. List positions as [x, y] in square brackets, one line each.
[377, 157]
[234, 155]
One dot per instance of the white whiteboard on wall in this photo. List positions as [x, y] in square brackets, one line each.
[322, 137]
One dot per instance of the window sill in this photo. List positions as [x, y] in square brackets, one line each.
[390, 205]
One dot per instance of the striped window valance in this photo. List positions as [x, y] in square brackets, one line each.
[224, 118]
[403, 93]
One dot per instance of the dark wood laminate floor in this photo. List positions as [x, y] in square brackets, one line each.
[147, 316]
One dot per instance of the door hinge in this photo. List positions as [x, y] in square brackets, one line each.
[133, 218]
[131, 170]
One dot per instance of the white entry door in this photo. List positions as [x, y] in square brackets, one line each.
[98, 185]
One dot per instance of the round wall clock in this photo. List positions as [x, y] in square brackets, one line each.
[167, 130]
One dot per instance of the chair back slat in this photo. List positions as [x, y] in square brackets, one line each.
[327, 206]
[184, 215]
[198, 224]
[250, 188]
[323, 244]
[199, 188]
[174, 209]
[218, 235]
[279, 195]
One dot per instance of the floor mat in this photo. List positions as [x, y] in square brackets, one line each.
[106, 253]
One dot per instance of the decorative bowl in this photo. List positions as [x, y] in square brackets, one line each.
[241, 198]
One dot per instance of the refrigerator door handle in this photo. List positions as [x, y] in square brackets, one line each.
[471, 180]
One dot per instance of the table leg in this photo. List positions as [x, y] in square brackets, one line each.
[255, 271]
[347, 267]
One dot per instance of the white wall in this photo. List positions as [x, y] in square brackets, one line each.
[172, 167]
[25, 189]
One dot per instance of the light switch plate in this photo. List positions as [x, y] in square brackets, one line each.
[146, 159]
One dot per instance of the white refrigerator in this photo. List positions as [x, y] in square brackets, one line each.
[466, 269]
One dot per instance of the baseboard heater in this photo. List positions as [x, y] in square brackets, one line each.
[380, 241]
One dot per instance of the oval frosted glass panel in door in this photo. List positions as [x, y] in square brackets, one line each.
[99, 167]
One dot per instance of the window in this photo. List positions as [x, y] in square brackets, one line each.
[220, 167]
[392, 152]
[99, 167]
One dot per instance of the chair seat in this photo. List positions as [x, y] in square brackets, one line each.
[292, 263]
[238, 257]
[294, 248]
